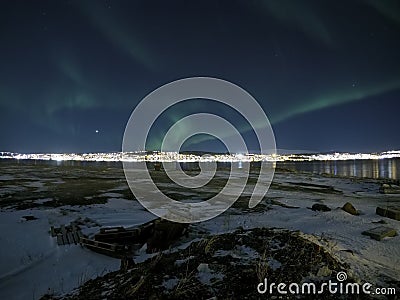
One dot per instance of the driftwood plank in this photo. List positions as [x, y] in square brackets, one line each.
[60, 240]
[76, 237]
[70, 234]
[391, 212]
[70, 237]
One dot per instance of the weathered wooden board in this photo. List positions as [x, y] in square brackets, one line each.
[60, 240]
[66, 235]
[391, 212]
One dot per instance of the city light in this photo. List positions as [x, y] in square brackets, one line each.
[153, 156]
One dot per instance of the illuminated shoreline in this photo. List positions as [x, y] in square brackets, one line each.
[180, 157]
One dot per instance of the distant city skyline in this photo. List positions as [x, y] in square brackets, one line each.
[157, 156]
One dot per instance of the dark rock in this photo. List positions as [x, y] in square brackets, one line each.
[378, 233]
[320, 207]
[29, 218]
[348, 207]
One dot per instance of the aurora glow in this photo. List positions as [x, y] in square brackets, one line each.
[350, 95]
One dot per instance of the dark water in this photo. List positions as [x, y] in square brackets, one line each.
[380, 168]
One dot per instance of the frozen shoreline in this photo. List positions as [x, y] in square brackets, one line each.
[30, 257]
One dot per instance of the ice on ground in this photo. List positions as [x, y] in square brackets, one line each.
[31, 258]
[336, 230]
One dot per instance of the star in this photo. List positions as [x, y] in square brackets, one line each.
[97, 131]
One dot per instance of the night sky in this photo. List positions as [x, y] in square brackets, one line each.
[327, 73]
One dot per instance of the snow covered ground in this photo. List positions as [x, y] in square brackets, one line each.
[32, 264]
[336, 230]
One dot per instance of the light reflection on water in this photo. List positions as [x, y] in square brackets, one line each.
[380, 168]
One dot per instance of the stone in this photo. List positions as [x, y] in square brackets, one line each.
[378, 233]
[391, 212]
[389, 189]
[29, 218]
[348, 207]
[320, 207]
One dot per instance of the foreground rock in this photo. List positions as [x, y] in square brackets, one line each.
[29, 218]
[227, 266]
[348, 207]
[378, 233]
[320, 207]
